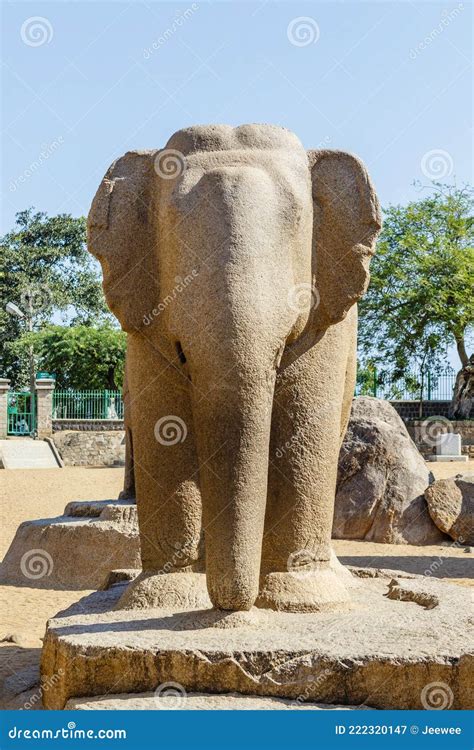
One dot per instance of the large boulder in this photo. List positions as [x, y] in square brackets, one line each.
[381, 480]
[451, 506]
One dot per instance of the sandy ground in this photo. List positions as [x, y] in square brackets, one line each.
[27, 494]
[450, 468]
[42, 493]
[448, 561]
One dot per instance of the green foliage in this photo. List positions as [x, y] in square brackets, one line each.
[81, 357]
[45, 266]
[367, 379]
[420, 300]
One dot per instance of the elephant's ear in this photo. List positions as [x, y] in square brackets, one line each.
[121, 233]
[347, 221]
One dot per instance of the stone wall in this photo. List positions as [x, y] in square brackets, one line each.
[423, 433]
[410, 410]
[91, 447]
[102, 443]
[423, 430]
[88, 425]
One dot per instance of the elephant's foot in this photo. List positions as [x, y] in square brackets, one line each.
[174, 591]
[321, 590]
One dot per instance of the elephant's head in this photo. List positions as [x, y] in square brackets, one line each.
[232, 245]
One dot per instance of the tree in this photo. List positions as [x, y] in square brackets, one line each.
[81, 357]
[420, 300]
[45, 266]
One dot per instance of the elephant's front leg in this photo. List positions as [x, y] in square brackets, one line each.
[298, 572]
[166, 478]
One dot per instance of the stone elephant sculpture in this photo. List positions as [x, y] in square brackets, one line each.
[128, 490]
[234, 260]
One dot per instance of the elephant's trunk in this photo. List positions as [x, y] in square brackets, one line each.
[233, 443]
[231, 326]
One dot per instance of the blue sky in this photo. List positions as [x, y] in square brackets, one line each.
[85, 81]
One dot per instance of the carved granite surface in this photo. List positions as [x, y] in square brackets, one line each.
[402, 634]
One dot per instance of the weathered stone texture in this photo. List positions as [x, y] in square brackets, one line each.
[175, 700]
[451, 506]
[74, 551]
[381, 480]
[402, 635]
[91, 448]
[234, 259]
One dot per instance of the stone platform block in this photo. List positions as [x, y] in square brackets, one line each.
[178, 701]
[406, 641]
[76, 550]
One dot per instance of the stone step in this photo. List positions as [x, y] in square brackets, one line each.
[173, 698]
[443, 459]
[95, 508]
[26, 453]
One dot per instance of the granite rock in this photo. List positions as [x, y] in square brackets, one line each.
[381, 480]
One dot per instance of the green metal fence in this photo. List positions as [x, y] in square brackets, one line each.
[21, 413]
[411, 386]
[93, 405]
[108, 405]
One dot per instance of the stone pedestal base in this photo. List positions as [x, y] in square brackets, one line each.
[403, 644]
[76, 550]
[321, 590]
[445, 459]
[175, 591]
[175, 700]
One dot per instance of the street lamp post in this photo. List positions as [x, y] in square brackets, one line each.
[31, 354]
[13, 309]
